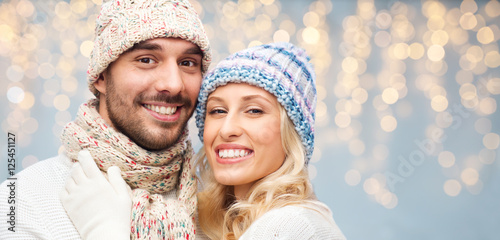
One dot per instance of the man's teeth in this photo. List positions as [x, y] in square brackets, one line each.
[161, 110]
[232, 153]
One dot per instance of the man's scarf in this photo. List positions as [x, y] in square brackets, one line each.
[149, 174]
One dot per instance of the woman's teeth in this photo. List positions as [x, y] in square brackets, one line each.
[161, 110]
[232, 153]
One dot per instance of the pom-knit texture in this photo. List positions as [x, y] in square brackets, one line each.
[149, 174]
[123, 23]
[283, 70]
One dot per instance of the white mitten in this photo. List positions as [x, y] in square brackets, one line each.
[99, 209]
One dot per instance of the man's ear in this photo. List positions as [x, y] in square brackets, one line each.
[100, 84]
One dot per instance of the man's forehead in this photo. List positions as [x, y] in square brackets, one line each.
[157, 45]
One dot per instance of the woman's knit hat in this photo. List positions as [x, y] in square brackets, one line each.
[123, 23]
[283, 70]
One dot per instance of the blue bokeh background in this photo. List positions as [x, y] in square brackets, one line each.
[407, 131]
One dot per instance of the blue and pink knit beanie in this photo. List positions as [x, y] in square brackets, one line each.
[283, 70]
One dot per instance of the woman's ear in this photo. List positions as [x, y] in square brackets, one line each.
[100, 84]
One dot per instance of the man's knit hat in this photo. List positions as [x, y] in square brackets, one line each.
[283, 70]
[123, 23]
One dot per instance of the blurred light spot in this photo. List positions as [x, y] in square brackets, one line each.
[349, 65]
[263, 22]
[488, 105]
[311, 19]
[310, 35]
[51, 86]
[371, 186]
[352, 177]
[25, 8]
[382, 39]
[388, 123]
[288, 26]
[30, 126]
[230, 10]
[468, 91]
[446, 159]
[254, 43]
[444, 119]
[491, 141]
[487, 156]
[435, 53]
[359, 95]
[380, 152]
[435, 23]
[416, 51]
[267, 2]
[468, 21]
[63, 10]
[492, 59]
[439, 103]
[15, 94]
[483, 125]
[28, 101]
[401, 51]
[62, 118]
[493, 85]
[404, 109]
[432, 8]
[389, 200]
[468, 6]
[390, 95]
[452, 187]
[458, 36]
[61, 102]
[46, 70]
[474, 54]
[321, 109]
[28, 42]
[15, 73]
[492, 9]
[476, 188]
[86, 48]
[235, 46]
[342, 119]
[485, 35]
[356, 147]
[313, 171]
[383, 20]
[469, 176]
[69, 48]
[281, 36]
[29, 160]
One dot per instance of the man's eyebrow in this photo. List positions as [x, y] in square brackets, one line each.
[145, 46]
[194, 50]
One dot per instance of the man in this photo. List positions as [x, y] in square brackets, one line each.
[145, 71]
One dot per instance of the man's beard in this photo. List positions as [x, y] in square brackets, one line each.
[134, 127]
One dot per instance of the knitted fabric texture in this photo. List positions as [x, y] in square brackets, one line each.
[147, 173]
[123, 23]
[283, 70]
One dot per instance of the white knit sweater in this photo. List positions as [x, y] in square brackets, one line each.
[39, 212]
[295, 222]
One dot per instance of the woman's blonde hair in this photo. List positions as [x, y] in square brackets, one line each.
[221, 216]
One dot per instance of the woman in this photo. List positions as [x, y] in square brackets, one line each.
[255, 116]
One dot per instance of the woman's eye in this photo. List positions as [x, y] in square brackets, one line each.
[217, 111]
[146, 60]
[255, 111]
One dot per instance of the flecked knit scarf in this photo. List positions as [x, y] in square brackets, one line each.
[147, 173]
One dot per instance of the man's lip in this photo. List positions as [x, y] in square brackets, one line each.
[165, 118]
[163, 104]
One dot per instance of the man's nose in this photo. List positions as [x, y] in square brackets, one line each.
[169, 78]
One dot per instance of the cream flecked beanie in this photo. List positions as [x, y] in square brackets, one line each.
[123, 23]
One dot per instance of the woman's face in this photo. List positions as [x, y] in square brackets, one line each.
[242, 135]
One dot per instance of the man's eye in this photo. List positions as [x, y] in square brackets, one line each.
[147, 60]
[187, 63]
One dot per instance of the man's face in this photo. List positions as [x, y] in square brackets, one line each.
[149, 93]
